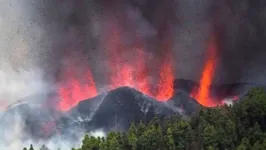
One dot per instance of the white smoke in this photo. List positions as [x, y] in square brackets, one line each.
[10, 138]
[20, 75]
[98, 133]
[13, 137]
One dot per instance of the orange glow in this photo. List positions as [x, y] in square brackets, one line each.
[203, 93]
[127, 65]
[165, 86]
[131, 70]
[75, 91]
[141, 73]
[166, 76]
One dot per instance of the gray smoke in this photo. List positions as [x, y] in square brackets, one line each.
[241, 29]
[20, 73]
[41, 39]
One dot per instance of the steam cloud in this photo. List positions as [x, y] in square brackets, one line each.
[41, 38]
[20, 74]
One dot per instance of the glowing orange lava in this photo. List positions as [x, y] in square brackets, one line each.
[165, 86]
[141, 76]
[75, 91]
[166, 76]
[127, 65]
[131, 70]
[126, 68]
[203, 93]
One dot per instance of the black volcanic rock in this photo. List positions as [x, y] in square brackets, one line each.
[124, 105]
[183, 100]
[112, 110]
[183, 88]
[116, 109]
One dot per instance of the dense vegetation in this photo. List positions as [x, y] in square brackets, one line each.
[240, 127]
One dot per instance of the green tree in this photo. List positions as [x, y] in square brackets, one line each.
[244, 145]
[170, 140]
[90, 143]
[209, 136]
[44, 147]
[182, 133]
[132, 138]
[31, 147]
[140, 129]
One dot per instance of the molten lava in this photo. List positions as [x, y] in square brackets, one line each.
[165, 86]
[130, 69]
[203, 93]
[142, 73]
[127, 65]
[166, 76]
[74, 91]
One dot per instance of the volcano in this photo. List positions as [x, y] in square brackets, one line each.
[109, 111]
[115, 110]
[112, 110]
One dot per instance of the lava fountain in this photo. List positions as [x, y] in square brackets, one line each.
[203, 92]
[166, 79]
[130, 69]
[75, 89]
[127, 65]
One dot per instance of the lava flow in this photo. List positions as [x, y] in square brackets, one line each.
[203, 93]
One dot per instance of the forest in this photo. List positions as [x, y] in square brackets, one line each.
[236, 127]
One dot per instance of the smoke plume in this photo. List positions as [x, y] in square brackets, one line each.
[76, 45]
[20, 73]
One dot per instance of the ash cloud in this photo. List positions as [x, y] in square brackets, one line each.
[20, 74]
[69, 33]
[41, 38]
[241, 27]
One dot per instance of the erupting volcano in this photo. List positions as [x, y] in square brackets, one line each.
[127, 65]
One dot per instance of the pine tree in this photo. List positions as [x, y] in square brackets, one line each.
[140, 129]
[31, 147]
[245, 145]
[209, 136]
[170, 140]
[132, 139]
[44, 147]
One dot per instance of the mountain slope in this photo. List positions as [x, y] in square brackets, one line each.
[116, 109]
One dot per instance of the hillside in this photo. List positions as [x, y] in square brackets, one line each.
[240, 127]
